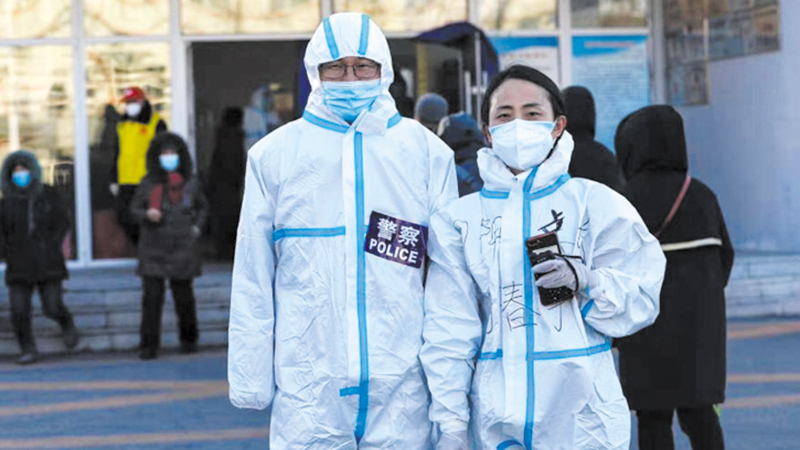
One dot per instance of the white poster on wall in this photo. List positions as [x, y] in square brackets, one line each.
[541, 53]
[615, 70]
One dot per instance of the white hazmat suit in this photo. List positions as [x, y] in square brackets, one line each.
[329, 265]
[545, 376]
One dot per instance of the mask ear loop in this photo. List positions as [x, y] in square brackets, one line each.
[555, 143]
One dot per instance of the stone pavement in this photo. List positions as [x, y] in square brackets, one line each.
[115, 401]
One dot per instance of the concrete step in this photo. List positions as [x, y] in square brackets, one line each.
[764, 285]
[106, 306]
[757, 265]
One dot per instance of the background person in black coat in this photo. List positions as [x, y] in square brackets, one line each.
[678, 363]
[225, 186]
[590, 159]
[171, 208]
[33, 225]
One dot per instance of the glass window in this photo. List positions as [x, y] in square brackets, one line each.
[518, 14]
[111, 68]
[249, 16]
[609, 13]
[408, 15]
[36, 114]
[126, 17]
[34, 18]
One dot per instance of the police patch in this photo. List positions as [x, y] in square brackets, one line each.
[396, 240]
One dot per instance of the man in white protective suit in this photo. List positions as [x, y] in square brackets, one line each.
[545, 376]
[327, 300]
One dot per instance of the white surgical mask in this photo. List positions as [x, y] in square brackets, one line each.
[133, 109]
[522, 144]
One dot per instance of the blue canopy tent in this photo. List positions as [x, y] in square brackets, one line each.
[479, 58]
[478, 55]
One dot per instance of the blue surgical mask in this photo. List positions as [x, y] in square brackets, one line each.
[347, 99]
[21, 178]
[169, 161]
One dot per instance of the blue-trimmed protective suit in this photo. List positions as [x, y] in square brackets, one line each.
[323, 330]
[545, 376]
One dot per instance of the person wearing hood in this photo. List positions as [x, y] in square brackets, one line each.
[135, 130]
[678, 364]
[590, 159]
[226, 182]
[398, 88]
[33, 225]
[260, 117]
[170, 206]
[461, 133]
[545, 375]
[327, 303]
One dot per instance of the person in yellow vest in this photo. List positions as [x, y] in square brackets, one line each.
[139, 124]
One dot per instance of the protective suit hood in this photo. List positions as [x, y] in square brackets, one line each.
[257, 97]
[351, 34]
[650, 139]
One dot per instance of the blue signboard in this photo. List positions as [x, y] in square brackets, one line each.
[615, 70]
[540, 52]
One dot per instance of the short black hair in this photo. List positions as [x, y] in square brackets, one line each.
[520, 72]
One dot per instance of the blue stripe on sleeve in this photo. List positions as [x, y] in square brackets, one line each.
[586, 308]
[307, 232]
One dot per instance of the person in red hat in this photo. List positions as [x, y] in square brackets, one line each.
[139, 124]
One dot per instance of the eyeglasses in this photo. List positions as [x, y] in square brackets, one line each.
[335, 70]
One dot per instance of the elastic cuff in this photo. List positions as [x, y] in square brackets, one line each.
[249, 400]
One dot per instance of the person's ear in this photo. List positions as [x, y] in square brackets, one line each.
[561, 125]
[487, 136]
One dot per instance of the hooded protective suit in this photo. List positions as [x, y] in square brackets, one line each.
[545, 376]
[259, 117]
[327, 296]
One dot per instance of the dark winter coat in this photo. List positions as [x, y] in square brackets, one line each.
[226, 172]
[679, 361]
[461, 133]
[590, 159]
[33, 224]
[169, 248]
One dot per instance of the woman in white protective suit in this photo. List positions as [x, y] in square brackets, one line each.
[327, 299]
[545, 376]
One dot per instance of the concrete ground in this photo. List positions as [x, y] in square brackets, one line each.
[179, 402]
